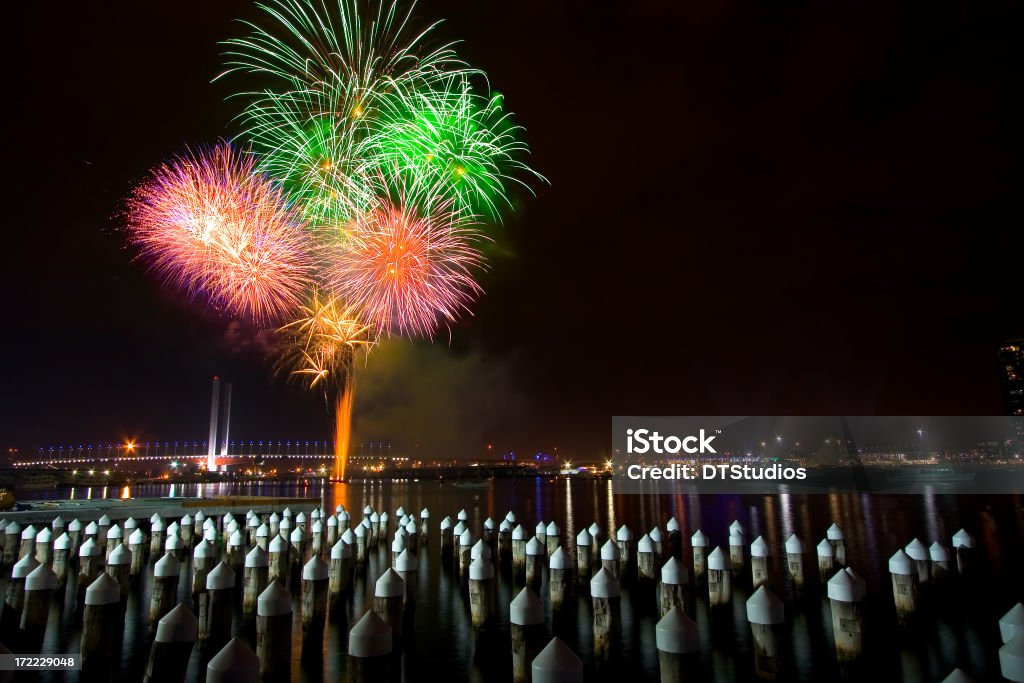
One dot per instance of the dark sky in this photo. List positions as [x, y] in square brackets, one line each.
[753, 209]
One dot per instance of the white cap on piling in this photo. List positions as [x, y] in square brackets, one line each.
[339, 508]
[541, 529]
[624, 534]
[172, 528]
[204, 549]
[167, 566]
[318, 527]
[374, 518]
[24, 567]
[349, 537]
[594, 529]
[526, 609]
[957, 676]
[274, 601]
[285, 525]
[58, 522]
[398, 545]
[459, 529]
[962, 539]
[406, 562]
[737, 538]
[200, 516]
[834, 533]
[424, 513]
[446, 523]
[228, 517]
[764, 608]
[158, 525]
[794, 546]
[938, 552]
[370, 637]
[825, 549]
[609, 551]
[759, 548]
[263, 531]
[736, 526]
[1012, 623]
[674, 572]
[231, 527]
[297, 535]
[583, 538]
[677, 633]
[466, 539]
[105, 520]
[558, 559]
[519, 533]
[478, 549]
[287, 512]
[220, 577]
[901, 564]
[274, 518]
[137, 537]
[552, 529]
[400, 511]
[40, 579]
[210, 534]
[672, 524]
[235, 663]
[315, 570]
[63, 542]
[341, 550]
[236, 539]
[655, 535]
[29, 533]
[187, 520]
[130, 523]
[699, 539]
[488, 523]
[75, 525]
[717, 559]
[556, 663]
[462, 516]
[604, 585]
[1011, 659]
[846, 587]
[13, 529]
[44, 535]
[119, 556]
[278, 544]
[410, 527]
[645, 544]
[300, 518]
[104, 590]
[481, 569]
[389, 585]
[332, 521]
[89, 548]
[534, 547]
[153, 519]
[257, 557]
[510, 517]
[917, 550]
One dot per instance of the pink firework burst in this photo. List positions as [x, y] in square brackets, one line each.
[210, 225]
[407, 273]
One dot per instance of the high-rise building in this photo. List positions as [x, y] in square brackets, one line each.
[1011, 367]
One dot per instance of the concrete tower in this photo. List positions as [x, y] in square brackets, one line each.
[227, 418]
[211, 454]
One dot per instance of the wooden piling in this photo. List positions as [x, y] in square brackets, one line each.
[235, 663]
[583, 543]
[28, 541]
[627, 558]
[826, 560]
[119, 566]
[407, 568]
[102, 628]
[172, 647]
[845, 593]
[137, 547]
[699, 543]
[719, 578]
[518, 553]
[737, 556]
[35, 610]
[560, 578]
[204, 557]
[760, 562]
[918, 552]
[274, 633]
[165, 587]
[255, 576]
[44, 546]
[315, 575]
[604, 593]
[904, 586]
[481, 592]
[963, 546]
[278, 557]
[645, 559]
[678, 643]
[534, 553]
[156, 539]
[526, 614]
[673, 589]
[14, 599]
[61, 553]
[424, 526]
[369, 649]
[834, 535]
[216, 608]
[465, 551]
[388, 597]
[610, 558]
[795, 560]
[340, 572]
[90, 563]
[551, 537]
[766, 615]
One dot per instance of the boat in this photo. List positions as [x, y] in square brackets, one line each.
[38, 482]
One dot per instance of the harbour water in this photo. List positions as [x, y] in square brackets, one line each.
[958, 627]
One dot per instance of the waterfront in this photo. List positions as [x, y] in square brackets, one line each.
[959, 630]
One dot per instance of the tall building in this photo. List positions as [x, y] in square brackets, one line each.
[1011, 367]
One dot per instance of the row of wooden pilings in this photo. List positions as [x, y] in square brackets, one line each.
[269, 551]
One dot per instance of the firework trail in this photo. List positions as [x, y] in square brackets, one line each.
[208, 224]
[408, 271]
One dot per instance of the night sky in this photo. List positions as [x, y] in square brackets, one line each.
[753, 209]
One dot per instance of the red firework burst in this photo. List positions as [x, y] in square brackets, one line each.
[208, 224]
[407, 273]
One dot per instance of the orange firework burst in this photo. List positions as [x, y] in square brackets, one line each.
[208, 224]
[408, 273]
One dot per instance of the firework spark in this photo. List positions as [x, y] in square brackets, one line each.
[320, 345]
[463, 144]
[406, 271]
[208, 224]
[328, 68]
